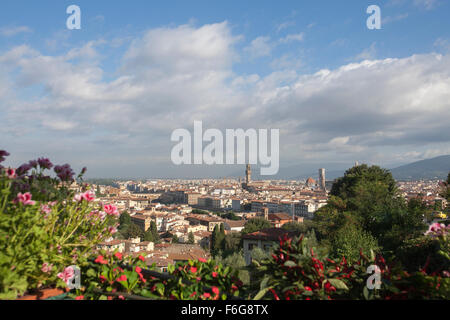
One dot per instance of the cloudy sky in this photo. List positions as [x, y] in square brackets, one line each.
[108, 96]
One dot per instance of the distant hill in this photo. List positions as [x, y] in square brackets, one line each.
[435, 168]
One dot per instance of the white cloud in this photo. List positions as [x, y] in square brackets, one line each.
[259, 47]
[293, 38]
[170, 77]
[12, 31]
[367, 54]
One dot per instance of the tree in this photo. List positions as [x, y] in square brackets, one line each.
[446, 188]
[191, 238]
[349, 240]
[256, 224]
[152, 234]
[217, 239]
[124, 219]
[134, 231]
[175, 239]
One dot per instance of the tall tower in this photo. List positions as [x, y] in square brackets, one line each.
[248, 174]
[322, 179]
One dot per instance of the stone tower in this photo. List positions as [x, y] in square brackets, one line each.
[248, 174]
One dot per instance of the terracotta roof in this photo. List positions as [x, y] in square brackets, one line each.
[279, 216]
[272, 234]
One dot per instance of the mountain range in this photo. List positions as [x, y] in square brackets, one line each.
[428, 169]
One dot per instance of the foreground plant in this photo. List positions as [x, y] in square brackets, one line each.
[118, 277]
[40, 238]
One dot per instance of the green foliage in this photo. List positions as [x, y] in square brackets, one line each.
[236, 261]
[350, 241]
[191, 238]
[133, 231]
[256, 224]
[39, 239]
[152, 234]
[217, 240]
[296, 272]
[175, 239]
[117, 277]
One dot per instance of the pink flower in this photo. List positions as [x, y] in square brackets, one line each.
[46, 268]
[206, 295]
[67, 275]
[88, 196]
[45, 209]
[25, 199]
[11, 173]
[141, 258]
[111, 210]
[214, 274]
[118, 255]
[215, 290]
[112, 230]
[193, 269]
[437, 229]
[102, 215]
[202, 260]
[122, 278]
[101, 260]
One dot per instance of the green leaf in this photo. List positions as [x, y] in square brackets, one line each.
[263, 284]
[261, 294]
[290, 263]
[339, 284]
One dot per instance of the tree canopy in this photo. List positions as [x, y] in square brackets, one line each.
[256, 224]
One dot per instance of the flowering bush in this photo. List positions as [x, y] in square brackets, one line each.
[114, 276]
[45, 227]
[293, 272]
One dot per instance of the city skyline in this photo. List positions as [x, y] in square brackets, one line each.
[109, 95]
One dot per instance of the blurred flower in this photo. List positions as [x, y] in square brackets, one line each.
[33, 163]
[64, 172]
[46, 268]
[45, 163]
[111, 210]
[25, 199]
[437, 229]
[122, 278]
[23, 169]
[112, 230]
[89, 196]
[67, 275]
[11, 173]
[3, 154]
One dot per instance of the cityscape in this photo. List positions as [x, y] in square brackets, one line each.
[231, 152]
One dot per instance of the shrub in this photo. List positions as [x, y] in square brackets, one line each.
[39, 238]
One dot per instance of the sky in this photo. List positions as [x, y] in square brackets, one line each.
[109, 96]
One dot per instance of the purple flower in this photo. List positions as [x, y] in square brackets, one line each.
[33, 163]
[23, 169]
[64, 172]
[3, 154]
[45, 163]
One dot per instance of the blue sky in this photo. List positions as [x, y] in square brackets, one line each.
[138, 69]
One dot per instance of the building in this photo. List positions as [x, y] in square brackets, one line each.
[234, 225]
[142, 221]
[264, 239]
[248, 175]
[279, 219]
[322, 179]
